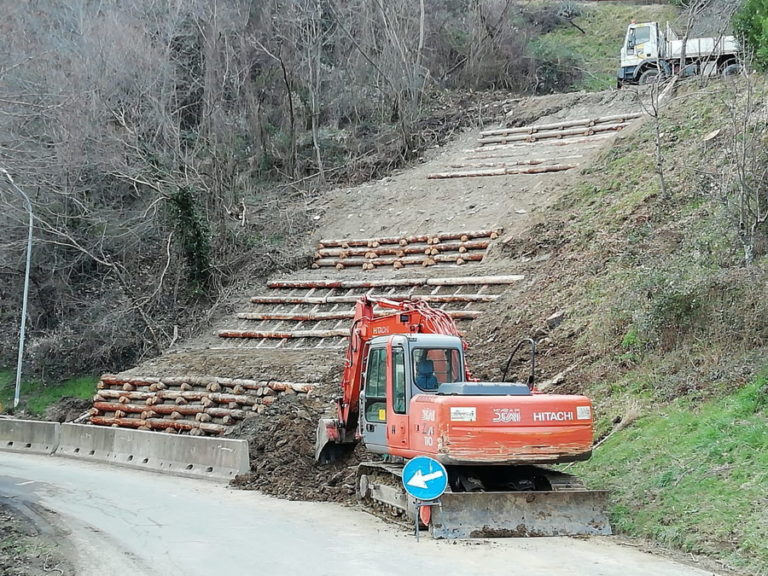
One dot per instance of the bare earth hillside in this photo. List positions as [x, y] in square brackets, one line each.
[410, 202]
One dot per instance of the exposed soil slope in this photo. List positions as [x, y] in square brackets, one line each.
[408, 202]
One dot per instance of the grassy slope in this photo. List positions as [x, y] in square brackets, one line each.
[693, 476]
[676, 328]
[605, 27]
[36, 397]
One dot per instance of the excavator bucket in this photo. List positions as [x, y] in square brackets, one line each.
[329, 444]
[515, 514]
[326, 438]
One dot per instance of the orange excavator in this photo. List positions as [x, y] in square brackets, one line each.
[406, 392]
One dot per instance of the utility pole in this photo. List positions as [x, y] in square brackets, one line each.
[28, 205]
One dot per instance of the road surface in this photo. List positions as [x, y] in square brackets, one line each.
[126, 522]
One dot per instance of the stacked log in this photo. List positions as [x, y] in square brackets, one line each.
[455, 248]
[197, 405]
[586, 122]
[558, 134]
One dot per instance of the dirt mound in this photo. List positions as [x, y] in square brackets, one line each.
[67, 409]
[281, 443]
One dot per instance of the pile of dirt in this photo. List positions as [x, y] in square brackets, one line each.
[25, 550]
[282, 446]
[67, 409]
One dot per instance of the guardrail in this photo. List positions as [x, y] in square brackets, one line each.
[192, 456]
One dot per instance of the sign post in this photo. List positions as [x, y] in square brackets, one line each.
[425, 479]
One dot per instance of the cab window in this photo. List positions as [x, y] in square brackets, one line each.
[642, 34]
[435, 366]
[399, 399]
[376, 386]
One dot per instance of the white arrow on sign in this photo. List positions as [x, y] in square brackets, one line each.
[420, 480]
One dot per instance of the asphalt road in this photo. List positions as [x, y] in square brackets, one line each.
[123, 521]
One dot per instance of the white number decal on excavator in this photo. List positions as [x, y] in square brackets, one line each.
[429, 432]
[506, 415]
[428, 414]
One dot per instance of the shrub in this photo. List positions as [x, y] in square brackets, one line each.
[751, 23]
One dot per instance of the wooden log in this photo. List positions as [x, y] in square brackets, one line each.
[473, 164]
[563, 142]
[342, 315]
[561, 125]
[113, 380]
[315, 300]
[408, 260]
[588, 131]
[173, 395]
[159, 424]
[514, 153]
[237, 398]
[164, 409]
[253, 385]
[282, 386]
[348, 284]
[422, 238]
[401, 250]
[498, 172]
[500, 164]
[475, 280]
[196, 396]
[184, 382]
[337, 333]
[224, 412]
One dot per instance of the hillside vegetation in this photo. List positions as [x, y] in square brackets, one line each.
[170, 149]
[665, 295]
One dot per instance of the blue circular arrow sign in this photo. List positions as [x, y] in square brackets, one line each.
[425, 478]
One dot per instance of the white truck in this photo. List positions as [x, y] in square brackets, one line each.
[650, 53]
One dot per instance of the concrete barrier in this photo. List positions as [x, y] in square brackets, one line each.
[193, 456]
[30, 436]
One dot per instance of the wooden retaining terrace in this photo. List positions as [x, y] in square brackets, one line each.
[309, 313]
[198, 405]
[586, 122]
[510, 143]
[445, 249]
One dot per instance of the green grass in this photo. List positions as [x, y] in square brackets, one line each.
[694, 476]
[605, 26]
[36, 396]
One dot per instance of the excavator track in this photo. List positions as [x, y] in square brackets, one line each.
[564, 508]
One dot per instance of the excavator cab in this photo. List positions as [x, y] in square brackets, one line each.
[398, 368]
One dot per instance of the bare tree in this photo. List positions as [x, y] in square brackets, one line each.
[744, 181]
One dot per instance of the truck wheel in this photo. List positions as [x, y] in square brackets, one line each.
[732, 69]
[650, 76]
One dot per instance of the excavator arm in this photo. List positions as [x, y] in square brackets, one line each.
[401, 317]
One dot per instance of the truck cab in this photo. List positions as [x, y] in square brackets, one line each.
[643, 44]
[648, 52]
